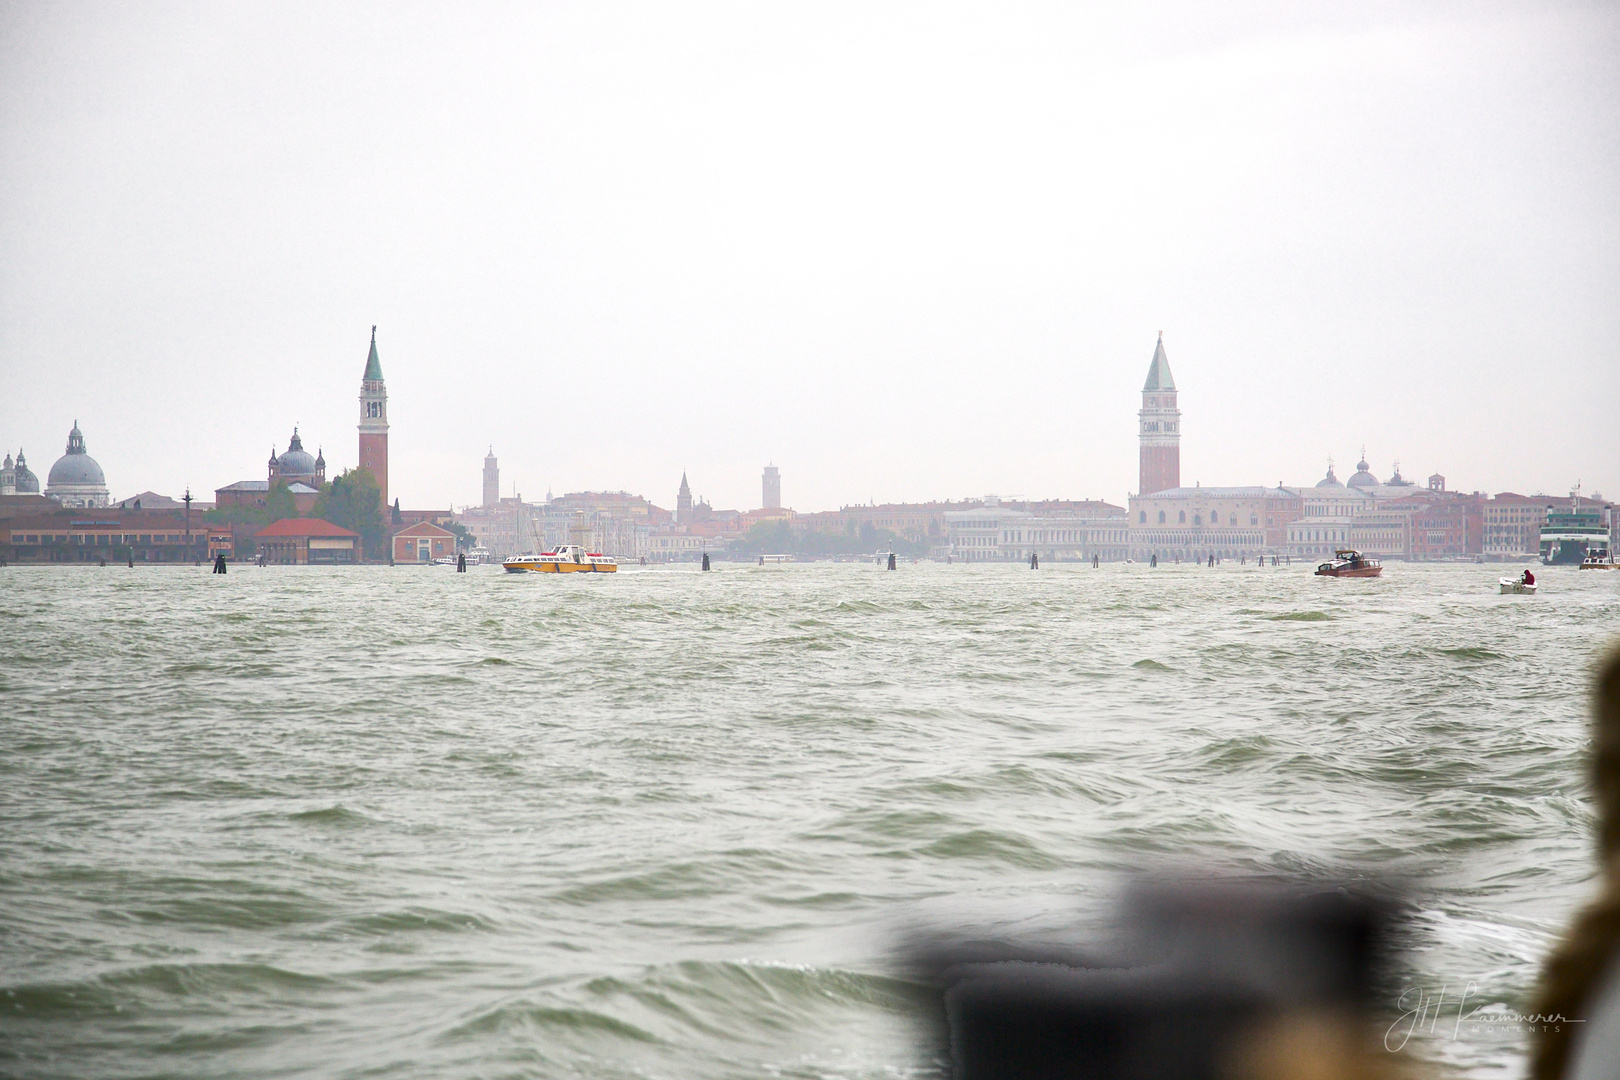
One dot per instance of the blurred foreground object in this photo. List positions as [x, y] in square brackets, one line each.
[1216, 980]
[1581, 981]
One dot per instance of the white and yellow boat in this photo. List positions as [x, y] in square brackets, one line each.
[567, 559]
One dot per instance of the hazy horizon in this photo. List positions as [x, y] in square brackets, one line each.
[904, 253]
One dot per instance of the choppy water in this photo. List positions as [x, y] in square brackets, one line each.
[404, 822]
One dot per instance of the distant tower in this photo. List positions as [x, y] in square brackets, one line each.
[1160, 429]
[492, 479]
[374, 420]
[772, 484]
[683, 503]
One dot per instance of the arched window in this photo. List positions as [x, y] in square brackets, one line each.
[1183, 517]
[1198, 519]
[1143, 517]
[1161, 517]
[1254, 519]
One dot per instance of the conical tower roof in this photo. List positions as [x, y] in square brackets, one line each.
[373, 365]
[1159, 377]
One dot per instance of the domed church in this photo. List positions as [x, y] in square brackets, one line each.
[76, 479]
[296, 466]
[18, 479]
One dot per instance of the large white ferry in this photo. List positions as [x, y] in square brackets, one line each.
[567, 559]
[1578, 536]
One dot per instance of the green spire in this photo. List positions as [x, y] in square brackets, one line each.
[1158, 372]
[373, 365]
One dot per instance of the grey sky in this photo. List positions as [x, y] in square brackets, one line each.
[905, 252]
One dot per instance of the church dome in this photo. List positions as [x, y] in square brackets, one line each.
[1364, 477]
[75, 466]
[27, 482]
[1329, 481]
[296, 461]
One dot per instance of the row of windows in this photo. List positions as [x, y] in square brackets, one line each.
[100, 539]
[1198, 519]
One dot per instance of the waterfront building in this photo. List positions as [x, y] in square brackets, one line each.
[492, 480]
[70, 534]
[76, 479]
[1319, 535]
[1057, 532]
[373, 425]
[1159, 428]
[683, 546]
[307, 542]
[422, 542]
[1190, 524]
[1445, 524]
[1384, 531]
[771, 489]
[1512, 524]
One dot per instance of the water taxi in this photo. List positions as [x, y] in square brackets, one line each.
[1598, 559]
[567, 559]
[1348, 562]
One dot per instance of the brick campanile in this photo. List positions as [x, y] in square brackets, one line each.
[374, 420]
[1160, 427]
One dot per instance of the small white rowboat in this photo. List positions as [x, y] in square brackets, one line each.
[1514, 585]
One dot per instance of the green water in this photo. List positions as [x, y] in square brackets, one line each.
[404, 822]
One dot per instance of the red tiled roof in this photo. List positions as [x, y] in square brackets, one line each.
[303, 527]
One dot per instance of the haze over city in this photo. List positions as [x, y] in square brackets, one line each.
[905, 253]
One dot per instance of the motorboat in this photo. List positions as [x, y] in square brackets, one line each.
[567, 559]
[1598, 559]
[1348, 562]
[1516, 587]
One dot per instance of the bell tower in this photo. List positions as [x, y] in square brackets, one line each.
[492, 479]
[1159, 427]
[374, 420]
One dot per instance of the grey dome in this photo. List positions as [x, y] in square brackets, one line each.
[296, 461]
[75, 466]
[1329, 481]
[1364, 477]
[27, 482]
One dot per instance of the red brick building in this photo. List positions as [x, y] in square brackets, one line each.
[374, 420]
[91, 534]
[307, 541]
[422, 542]
[1159, 428]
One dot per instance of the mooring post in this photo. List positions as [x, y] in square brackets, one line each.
[1034, 561]
[1154, 561]
[705, 560]
[461, 562]
[891, 560]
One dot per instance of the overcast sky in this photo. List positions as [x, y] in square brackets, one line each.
[904, 252]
